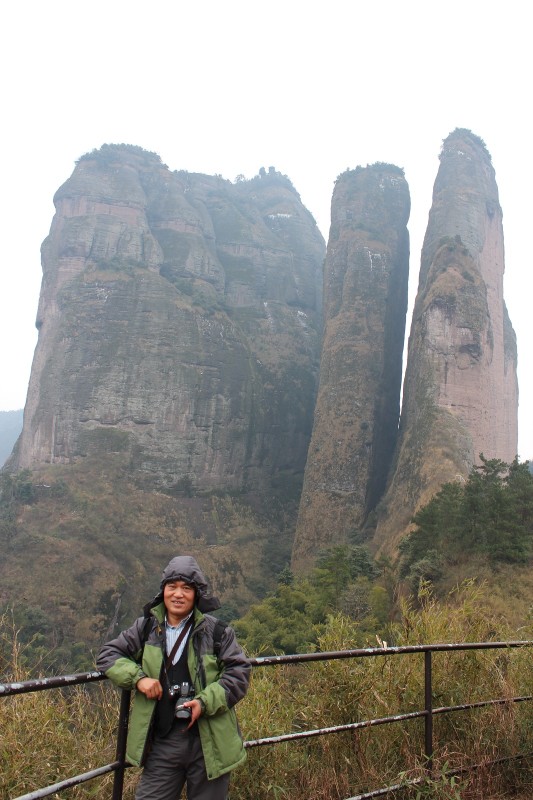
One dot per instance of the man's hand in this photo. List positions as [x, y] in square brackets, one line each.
[196, 710]
[150, 687]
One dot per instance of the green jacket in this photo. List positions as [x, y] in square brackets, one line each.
[219, 684]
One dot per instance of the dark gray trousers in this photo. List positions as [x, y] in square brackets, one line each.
[175, 761]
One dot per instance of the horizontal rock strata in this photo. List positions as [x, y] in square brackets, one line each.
[179, 323]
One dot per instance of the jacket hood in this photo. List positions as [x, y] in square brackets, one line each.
[185, 568]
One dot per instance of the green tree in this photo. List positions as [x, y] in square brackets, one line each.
[438, 526]
[490, 515]
[292, 619]
[281, 623]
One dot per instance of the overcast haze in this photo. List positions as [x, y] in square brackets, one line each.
[310, 88]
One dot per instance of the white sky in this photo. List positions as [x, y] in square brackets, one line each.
[309, 86]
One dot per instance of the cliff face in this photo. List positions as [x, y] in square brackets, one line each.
[460, 392]
[358, 404]
[179, 324]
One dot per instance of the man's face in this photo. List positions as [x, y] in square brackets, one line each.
[179, 600]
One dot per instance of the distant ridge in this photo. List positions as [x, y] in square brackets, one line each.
[10, 428]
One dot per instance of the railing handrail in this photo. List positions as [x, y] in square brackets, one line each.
[266, 661]
[54, 682]
[119, 765]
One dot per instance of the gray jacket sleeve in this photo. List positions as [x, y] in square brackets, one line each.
[235, 676]
[127, 645]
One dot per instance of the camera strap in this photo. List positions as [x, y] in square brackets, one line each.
[181, 637]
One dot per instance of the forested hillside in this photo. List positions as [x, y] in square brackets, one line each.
[478, 529]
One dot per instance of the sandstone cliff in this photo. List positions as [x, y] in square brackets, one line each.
[460, 392]
[179, 323]
[172, 394]
[171, 397]
[358, 404]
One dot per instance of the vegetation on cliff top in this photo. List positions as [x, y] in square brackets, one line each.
[465, 133]
[108, 153]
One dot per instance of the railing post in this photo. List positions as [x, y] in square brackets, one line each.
[428, 701]
[124, 714]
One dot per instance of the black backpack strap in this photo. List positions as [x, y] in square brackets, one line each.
[218, 633]
[145, 632]
[184, 632]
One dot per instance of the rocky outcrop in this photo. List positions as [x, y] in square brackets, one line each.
[180, 327]
[358, 404]
[179, 324]
[172, 394]
[460, 392]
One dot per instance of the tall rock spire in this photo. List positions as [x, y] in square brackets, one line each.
[357, 409]
[460, 392]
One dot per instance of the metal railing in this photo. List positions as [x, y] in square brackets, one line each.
[427, 713]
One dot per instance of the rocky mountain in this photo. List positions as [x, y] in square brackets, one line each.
[172, 391]
[460, 396]
[358, 403]
[460, 393]
[205, 382]
[179, 321]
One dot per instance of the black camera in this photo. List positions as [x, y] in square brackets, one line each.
[182, 692]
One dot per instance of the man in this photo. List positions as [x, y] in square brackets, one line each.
[183, 727]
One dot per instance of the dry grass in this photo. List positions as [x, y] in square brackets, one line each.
[48, 736]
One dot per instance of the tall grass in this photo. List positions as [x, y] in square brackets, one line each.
[287, 698]
[47, 736]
